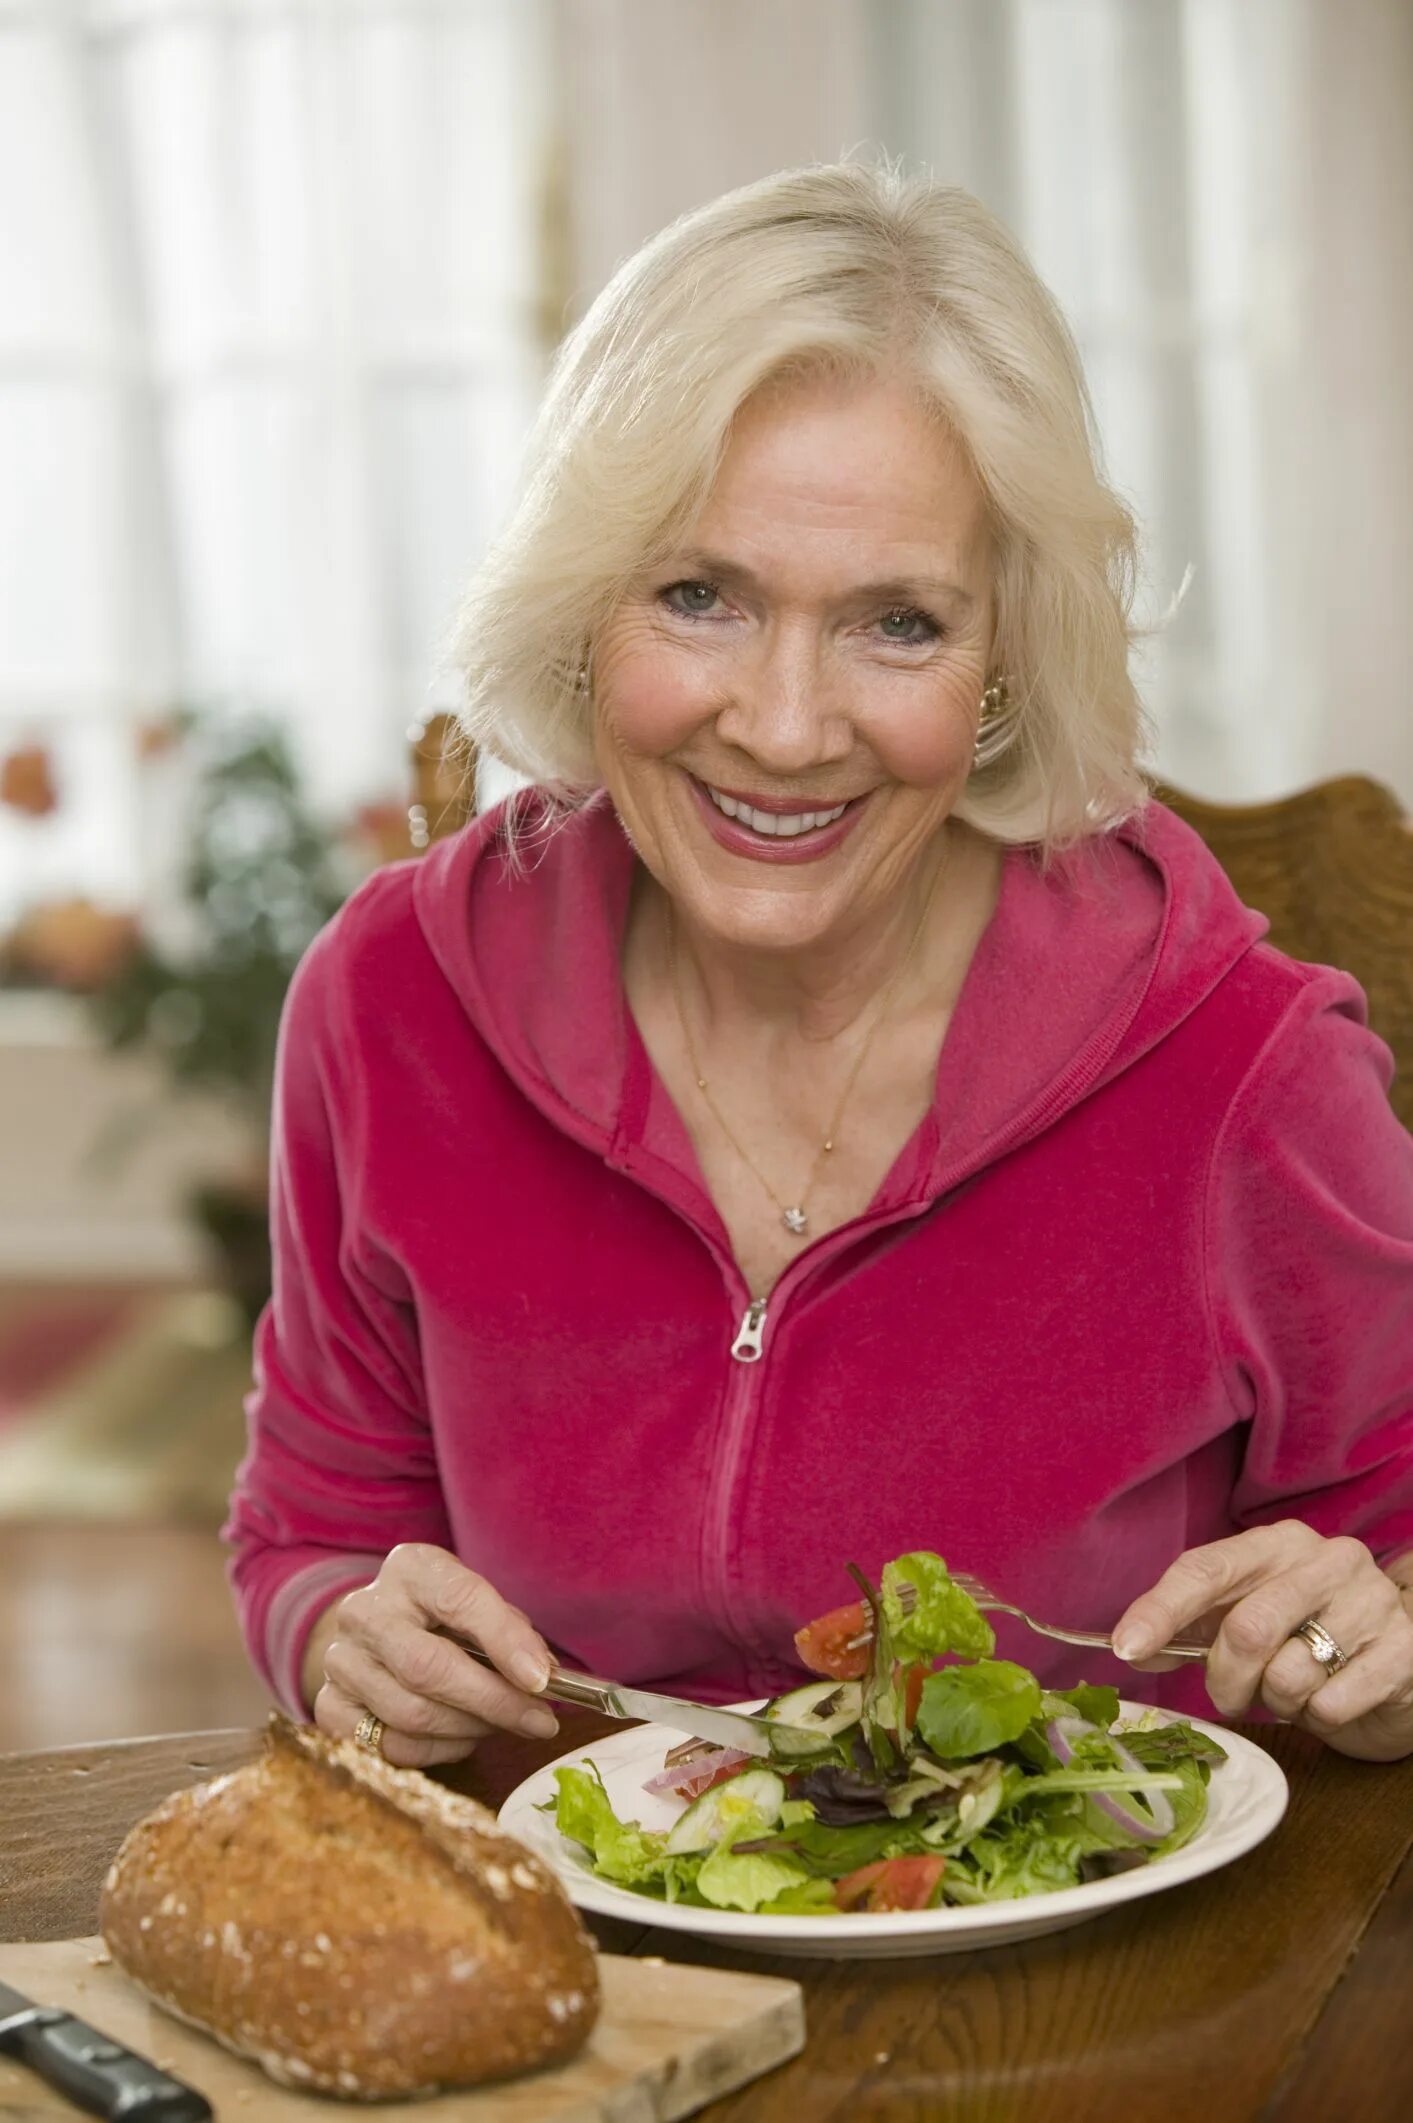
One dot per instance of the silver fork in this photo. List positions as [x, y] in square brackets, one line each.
[1179, 1648]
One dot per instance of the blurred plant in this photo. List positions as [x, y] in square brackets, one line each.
[201, 988]
[261, 877]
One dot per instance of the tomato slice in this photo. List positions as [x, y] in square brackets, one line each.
[825, 1648]
[695, 1786]
[916, 1676]
[890, 1883]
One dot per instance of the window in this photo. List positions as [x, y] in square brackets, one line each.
[270, 338]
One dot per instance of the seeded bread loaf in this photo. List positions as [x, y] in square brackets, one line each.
[353, 1928]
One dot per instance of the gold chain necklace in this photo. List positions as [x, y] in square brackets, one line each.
[794, 1216]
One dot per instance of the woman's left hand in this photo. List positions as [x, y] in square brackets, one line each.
[1253, 1591]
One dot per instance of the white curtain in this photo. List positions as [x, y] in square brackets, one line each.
[271, 332]
[1220, 192]
[276, 277]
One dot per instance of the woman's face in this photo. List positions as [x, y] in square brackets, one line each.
[821, 641]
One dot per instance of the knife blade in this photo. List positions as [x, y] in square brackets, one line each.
[702, 1721]
[98, 2073]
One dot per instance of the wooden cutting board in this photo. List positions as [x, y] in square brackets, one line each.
[669, 2039]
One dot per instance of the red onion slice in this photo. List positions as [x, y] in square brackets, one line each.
[1157, 1818]
[701, 1765]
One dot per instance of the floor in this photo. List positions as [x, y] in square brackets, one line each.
[143, 1426]
[116, 1631]
[116, 1455]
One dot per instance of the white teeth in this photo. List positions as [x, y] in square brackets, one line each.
[775, 824]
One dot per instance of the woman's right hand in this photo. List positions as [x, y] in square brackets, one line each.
[381, 1649]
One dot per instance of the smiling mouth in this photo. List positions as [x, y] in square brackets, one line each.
[772, 825]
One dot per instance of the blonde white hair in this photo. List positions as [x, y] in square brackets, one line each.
[859, 269]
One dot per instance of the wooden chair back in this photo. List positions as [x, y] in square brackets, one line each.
[1332, 870]
[443, 780]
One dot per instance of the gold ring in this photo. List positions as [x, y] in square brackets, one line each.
[1323, 1647]
[369, 1733]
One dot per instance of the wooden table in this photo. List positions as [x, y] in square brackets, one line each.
[1277, 1991]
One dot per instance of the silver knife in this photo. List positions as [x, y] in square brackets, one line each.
[91, 2068]
[728, 1728]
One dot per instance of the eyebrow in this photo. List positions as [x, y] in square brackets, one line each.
[902, 587]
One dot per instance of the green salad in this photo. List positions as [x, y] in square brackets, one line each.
[899, 1782]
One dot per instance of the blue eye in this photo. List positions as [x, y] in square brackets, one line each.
[913, 616]
[695, 583]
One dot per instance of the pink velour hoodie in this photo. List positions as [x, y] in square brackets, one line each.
[1143, 1277]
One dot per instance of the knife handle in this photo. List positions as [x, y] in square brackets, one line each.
[97, 2072]
[563, 1685]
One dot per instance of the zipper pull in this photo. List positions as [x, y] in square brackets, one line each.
[749, 1345]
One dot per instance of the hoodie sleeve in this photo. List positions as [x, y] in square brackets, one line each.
[340, 1465]
[1310, 1276]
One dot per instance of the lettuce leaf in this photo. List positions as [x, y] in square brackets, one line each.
[881, 1720]
[942, 1617]
[1019, 1855]
[1170, 1743]
[835, 1851]
[1189, 1805]
[812, 1898]
[731, 1879]
[967, 1710]
[1091, 1700]
[621, 1850]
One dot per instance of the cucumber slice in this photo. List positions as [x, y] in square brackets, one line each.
[812, 1716]
[720, 1811]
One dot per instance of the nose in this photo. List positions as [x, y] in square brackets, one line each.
[784, 713]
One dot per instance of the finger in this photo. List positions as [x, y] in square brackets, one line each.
[1340, 1580]
[1379, 1679]
[336, 1715]
[1295, 1676]
[360, 1677]
[1206, 1629]
[390, 1617]
[1206, 1578]
[448, 1593]
[428, 1665]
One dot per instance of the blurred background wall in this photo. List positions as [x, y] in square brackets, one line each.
[281, 278]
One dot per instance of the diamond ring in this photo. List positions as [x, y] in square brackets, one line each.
[369, 1733]
[1323, 1647]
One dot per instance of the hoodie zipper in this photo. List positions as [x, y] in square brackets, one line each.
[737, 1422]
[749, 1345]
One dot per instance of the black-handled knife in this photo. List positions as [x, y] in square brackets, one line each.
[91, 2068]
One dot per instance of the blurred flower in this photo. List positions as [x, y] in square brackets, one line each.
[73, 944]
[161, 735]
[381, 832]
[27, 782]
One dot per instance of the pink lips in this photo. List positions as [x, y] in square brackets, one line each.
[742, 840]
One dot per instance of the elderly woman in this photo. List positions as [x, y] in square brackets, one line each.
[833, 1112]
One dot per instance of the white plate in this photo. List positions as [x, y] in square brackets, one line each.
[1245, 1800]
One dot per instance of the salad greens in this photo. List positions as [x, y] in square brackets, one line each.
[899, 1783]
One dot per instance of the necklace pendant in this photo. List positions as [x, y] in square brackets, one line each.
[795, 1220]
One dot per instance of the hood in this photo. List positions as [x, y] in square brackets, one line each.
[1084, 967]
